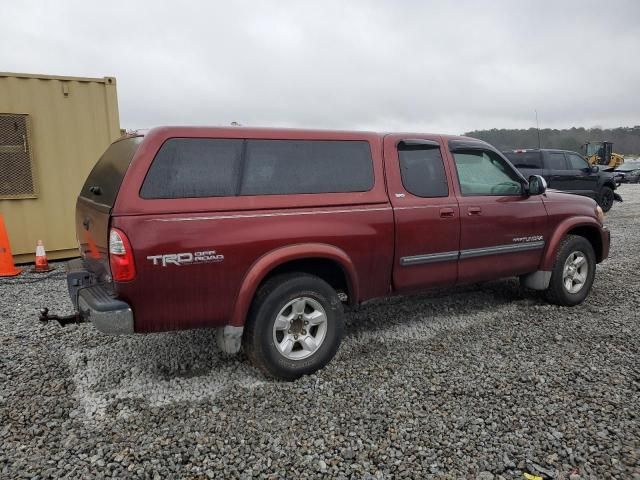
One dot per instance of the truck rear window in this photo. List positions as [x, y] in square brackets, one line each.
[104, 181]
[200, 167]
[525, 159]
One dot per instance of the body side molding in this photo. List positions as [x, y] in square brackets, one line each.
[429, 258]
[470, 253]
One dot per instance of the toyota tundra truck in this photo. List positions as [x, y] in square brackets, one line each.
[266, 234]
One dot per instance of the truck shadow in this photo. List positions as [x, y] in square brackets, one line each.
[444, 305]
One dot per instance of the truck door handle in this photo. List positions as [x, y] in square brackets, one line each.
[474, 210]
[446, 212]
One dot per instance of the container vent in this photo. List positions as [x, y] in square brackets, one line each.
[16, 166]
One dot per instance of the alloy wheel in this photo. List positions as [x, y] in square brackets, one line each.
[575, 272]
[300, 328]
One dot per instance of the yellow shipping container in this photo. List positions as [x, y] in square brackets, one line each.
[53, 129]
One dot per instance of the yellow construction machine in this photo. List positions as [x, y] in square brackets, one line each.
[601, 153]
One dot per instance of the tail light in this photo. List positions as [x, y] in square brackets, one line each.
[123, 268]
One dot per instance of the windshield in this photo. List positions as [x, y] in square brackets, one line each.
[594, 148]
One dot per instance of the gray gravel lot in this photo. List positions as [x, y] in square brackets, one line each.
[483, 382]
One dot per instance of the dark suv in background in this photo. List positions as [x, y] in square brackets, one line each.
[567, 171]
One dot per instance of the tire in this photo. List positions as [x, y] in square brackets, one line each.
[571, 249]
[301, 342]
[606, 199]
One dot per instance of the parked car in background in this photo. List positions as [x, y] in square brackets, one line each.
[628, 172]
[567, 171]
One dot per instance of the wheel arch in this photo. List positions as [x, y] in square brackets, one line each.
[585, 227]
[326, 261]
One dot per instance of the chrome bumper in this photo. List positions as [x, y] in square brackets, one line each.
[96, 303]
[107, 314]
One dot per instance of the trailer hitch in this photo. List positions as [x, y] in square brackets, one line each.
[63, 320]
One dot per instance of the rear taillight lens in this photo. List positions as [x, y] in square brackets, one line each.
[123, 268]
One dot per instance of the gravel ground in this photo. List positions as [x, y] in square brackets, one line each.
[483, 382]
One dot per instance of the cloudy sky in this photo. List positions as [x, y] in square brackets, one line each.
[445, 67]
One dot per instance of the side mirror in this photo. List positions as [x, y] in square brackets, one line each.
[537, 185]
[595, 168]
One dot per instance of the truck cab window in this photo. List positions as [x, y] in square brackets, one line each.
[485, 173]
[422, 171]
[531, 160]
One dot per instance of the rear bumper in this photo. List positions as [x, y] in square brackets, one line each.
[107, 314]
[96, 303]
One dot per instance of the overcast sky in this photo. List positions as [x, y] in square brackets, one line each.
[445, 67]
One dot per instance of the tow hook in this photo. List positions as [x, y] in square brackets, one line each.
[62, 320]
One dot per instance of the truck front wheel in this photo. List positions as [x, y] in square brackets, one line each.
[573, 272]
[295, 326]
[606, 199]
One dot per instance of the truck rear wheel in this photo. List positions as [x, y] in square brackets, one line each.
[295, 326]
[573, 272]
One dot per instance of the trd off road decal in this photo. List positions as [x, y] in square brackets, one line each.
[186, 258]
[535, 238]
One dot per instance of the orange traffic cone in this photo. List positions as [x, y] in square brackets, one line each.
[7, 268]
[42, 264]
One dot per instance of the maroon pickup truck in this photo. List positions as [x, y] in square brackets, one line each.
[266, 233]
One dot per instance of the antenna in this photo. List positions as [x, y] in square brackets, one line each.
[538, 128]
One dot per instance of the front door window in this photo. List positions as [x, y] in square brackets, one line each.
[485, 173]
[577, 162]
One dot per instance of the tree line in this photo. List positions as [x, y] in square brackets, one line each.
[626, 140]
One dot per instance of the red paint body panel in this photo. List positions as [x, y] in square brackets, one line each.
[566, 212]
[203, 295]
[368, 234]
[259, 270]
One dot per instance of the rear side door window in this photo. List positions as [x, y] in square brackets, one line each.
[483, 172]
[422, 171]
